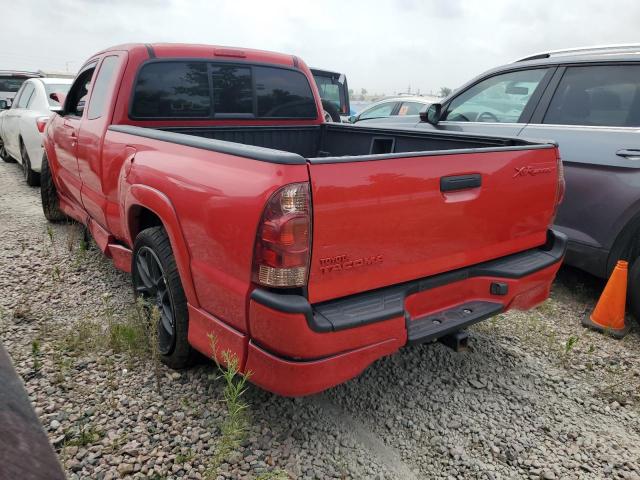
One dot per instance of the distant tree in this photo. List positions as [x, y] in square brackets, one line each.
[445, 91]
[363, 91]
[351, 91]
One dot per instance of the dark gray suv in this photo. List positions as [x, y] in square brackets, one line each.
[588, 101]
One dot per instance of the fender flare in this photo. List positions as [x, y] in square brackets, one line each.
[147, 197]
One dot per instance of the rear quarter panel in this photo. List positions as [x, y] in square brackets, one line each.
[219, 200]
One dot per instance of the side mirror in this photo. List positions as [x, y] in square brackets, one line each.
[4, 104]
[58, 97]
[352, 118]
[431, 114]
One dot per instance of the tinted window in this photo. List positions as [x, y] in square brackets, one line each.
[172, 90]
[100, 87]
[283, 93]
[10, 84]
[501, 98]
[232, 89]
[599, 96]
[55, 88]
[25, 96]
[379, 111]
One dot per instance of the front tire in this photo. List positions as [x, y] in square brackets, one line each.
[32, 177]
[156, 278]
[49, 194]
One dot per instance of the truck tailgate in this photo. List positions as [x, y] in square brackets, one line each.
[387, 220]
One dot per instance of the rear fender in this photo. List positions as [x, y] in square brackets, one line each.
[156, 201]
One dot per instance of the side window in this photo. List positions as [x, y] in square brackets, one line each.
[283, 93]
[77, 98]
[16, 99]
[410, 108]
[597, 96]
[380, 111]
[98, 101]
[172, 90]
[498, 99]
[232, 89]
[26, 95]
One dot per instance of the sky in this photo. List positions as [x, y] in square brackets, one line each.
[384, 46]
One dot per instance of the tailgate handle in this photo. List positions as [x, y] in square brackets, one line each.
[460, 182]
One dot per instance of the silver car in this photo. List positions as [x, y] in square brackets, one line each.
[401, 106]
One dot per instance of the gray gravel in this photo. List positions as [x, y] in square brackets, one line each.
[519, 404]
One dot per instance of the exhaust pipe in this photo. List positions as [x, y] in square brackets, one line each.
[457, 341]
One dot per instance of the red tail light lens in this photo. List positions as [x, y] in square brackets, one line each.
[282, 251]
[41, 123]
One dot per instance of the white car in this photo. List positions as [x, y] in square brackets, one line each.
[21, 126]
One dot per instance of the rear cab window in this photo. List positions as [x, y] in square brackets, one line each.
[602, 95]
[199, 89]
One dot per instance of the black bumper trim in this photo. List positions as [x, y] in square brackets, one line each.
[388, 302]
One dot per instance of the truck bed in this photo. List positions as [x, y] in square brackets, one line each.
[328, 142]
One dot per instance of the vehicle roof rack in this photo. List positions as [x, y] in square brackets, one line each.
[620, 48]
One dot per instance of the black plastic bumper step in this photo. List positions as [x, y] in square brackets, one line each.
[434, 326]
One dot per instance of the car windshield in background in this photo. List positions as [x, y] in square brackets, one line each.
[182, 90]
[55, 88]
[11, 84]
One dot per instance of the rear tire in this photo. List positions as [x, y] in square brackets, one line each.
[49, 194]
[32, 178]
[156, 278]
[4, 154]
[633, 291]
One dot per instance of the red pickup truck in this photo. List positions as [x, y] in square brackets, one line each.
[309, 250]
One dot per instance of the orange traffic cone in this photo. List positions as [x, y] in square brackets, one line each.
[608, 316]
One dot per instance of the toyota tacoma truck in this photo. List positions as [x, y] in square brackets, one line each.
[306, 249]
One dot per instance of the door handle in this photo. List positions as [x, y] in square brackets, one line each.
[460, 182]
[630, 153]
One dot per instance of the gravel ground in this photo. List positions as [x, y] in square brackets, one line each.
[536, 396]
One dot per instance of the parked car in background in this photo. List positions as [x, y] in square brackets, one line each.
[334, 92]
[10, 83]
[588, 101]
[21, 126]
[393, 107]
[203, 177]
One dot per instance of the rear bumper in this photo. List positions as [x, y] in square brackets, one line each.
[299, 349]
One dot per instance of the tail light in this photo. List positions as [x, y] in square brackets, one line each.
[41, 123]
[282, 251]
[560, 189]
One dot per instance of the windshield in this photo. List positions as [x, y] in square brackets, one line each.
[11, 84]
[55, 88]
